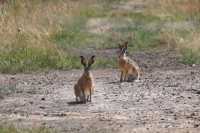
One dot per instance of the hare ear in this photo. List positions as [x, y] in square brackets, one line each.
[91, 60]
[120, 46]
[83, 61]
[126, 45]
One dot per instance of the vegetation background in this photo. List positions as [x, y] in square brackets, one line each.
[49, 34]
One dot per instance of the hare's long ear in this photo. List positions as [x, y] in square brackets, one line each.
[83, 61]
[126, 44]
[91, 61]
[120, 46]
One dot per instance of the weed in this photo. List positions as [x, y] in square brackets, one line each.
[190, 56]
[38, 35]
[13, 129]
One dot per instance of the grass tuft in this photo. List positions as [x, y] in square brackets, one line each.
[190, 56]
[38, 35]
[12, 129]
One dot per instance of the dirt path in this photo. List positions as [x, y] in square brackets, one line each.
[166, 99]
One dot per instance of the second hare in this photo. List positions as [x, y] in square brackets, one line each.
[127, 66]
[84, 88]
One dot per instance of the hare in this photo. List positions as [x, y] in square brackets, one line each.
[84, 88]
[126, 65]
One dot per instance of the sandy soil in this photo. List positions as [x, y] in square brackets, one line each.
[166, 99]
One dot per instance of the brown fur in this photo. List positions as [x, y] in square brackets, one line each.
[85, 85]
[126, 65]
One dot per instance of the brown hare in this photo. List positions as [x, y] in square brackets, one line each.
[127, 66]
[84, 88]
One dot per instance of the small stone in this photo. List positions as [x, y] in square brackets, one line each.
[42, 107]
[196, 125]
[43, 99]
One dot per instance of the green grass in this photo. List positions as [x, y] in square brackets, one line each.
[72, 35]
[29, 59]
[50, 32]
[190, 56]
[143, 39]
[142, 18]
[105, 63]
[94, 11]
[12, 129]
[76, 35]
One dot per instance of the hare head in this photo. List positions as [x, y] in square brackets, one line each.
[87, 64]
[123, 49]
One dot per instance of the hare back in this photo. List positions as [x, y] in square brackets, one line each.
[128, 65]
[133, 64]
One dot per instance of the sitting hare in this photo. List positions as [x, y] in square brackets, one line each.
[126, 65]
[84, 88]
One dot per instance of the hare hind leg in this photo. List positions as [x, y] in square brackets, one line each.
[77, 92]
[138, 76]
[121, 76]
[77, 99]
[139, 73]
[89, 97]
[90, 94]
[83, 97]
[126, 76]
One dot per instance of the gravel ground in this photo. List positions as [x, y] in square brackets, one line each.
[166, 99]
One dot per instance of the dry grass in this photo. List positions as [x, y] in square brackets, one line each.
[185, 40]
[175, 7]
[13, 129]
[183, 6]
[26, 28]
[34, 33]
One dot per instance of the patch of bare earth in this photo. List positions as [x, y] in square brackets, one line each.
[166, 99]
